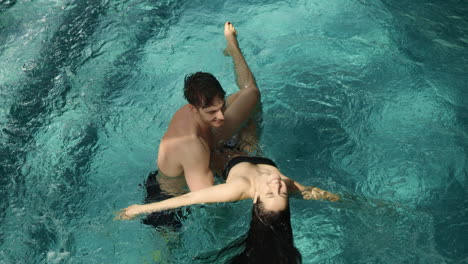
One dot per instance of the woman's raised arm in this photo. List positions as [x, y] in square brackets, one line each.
[226, 192]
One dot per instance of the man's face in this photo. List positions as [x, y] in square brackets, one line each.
[214, 114]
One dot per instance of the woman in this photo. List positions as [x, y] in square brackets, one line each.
[246, 177]
[270, 237]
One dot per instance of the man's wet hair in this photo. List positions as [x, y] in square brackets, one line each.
[201, 88]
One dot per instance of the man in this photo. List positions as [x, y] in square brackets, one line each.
[198, 127]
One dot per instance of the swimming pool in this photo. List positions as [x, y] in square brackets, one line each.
[364, 98]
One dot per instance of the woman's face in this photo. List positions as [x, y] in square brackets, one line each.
[273, 191]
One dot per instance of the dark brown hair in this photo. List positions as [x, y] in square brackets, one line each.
[201, 88]
[269, 240]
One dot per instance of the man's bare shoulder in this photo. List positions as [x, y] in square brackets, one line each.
[182, 121]
[174, 151]
[180, 128]
[186, 143]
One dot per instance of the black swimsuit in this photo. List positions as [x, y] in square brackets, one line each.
[239, 159]
[172, 218]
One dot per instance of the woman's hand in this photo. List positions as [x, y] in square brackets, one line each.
[315, 193]
[128, 213]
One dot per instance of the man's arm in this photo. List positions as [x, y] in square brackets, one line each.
[242, 103]
[195, 159]
[227, 192]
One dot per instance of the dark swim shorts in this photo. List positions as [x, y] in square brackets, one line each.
[239, 159]
[169, 218]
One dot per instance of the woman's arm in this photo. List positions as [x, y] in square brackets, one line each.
[315, 193]
[227, 192]
[309, 192]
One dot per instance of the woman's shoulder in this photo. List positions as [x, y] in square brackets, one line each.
[238, 179]
[241, 183]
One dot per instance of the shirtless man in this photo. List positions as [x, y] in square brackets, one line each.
[202, 125]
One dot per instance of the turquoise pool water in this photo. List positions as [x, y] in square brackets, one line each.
[364, 98]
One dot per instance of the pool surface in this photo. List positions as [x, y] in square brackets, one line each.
[364, 98]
